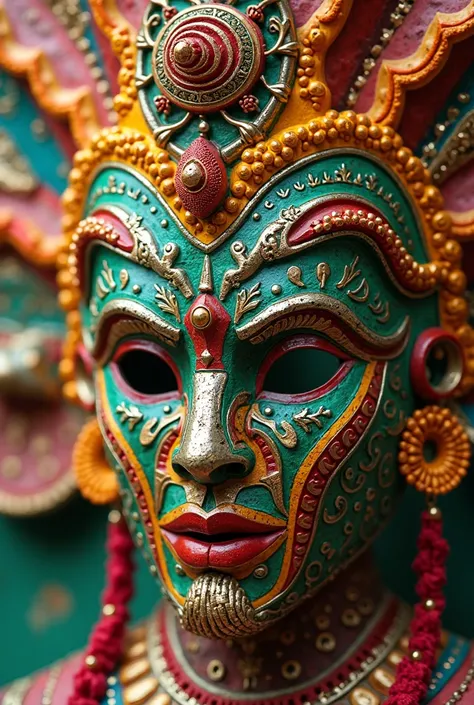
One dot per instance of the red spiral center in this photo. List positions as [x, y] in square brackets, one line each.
[201, 54]
[206, 58]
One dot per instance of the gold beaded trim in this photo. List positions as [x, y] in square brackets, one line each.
[397, 17]
[75, 21]
[413, 275]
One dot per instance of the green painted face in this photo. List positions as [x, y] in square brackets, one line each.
[251, 396]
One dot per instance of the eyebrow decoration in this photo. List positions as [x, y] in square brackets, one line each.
[127, 234]
[298, 229]
[122, 317]
[324, 314]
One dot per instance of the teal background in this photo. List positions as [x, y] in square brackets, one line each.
[66, 549]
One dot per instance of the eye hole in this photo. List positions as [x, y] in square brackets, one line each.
[146, 372]
[301, 367]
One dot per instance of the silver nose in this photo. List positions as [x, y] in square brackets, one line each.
[204, 452]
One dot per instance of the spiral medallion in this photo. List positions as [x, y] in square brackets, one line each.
[208, 57]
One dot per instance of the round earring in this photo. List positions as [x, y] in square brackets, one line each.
[437, 364]
[434, 451]
[96, 480]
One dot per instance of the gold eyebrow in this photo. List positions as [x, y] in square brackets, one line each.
[131, 318]
[339, 321]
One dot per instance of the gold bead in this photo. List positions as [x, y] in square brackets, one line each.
[291, 670]
[416, 655]
[161, 699]
[394, 658]
[108, 610]
[382, 680]
[430, 604]
[131, 672]
[325, 642]
[435, 513]
[216, 670]
[139, 693]
[183, 52]
[350, 618]
[90, 661]
[201, 317]
[363, 696]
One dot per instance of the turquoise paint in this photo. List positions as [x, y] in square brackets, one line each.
[30, 301]
[43, 154]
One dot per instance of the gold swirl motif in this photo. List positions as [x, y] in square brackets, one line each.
[341, 505]
[216, 607]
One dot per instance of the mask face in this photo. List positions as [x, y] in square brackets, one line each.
[251, 392]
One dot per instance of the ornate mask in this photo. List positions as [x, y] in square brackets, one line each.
[38, 429]
[262, 290]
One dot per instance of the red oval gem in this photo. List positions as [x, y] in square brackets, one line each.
[201, 178]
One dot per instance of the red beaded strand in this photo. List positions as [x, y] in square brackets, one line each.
[414, 671]
[106, 642]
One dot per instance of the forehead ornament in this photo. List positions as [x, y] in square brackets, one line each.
[201, 178]
[210, 59]
[207, 58]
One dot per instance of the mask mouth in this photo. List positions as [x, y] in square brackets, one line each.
[221, 551]
[222, 540]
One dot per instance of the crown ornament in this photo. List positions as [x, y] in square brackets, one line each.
[232, 93]
[211, 79]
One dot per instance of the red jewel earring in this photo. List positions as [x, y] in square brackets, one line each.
[434, 456]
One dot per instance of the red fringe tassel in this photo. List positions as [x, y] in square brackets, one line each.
[414, 671]
[106, 642]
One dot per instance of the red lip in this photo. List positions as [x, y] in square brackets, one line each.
[228, 554]
[221, 522]
[250, 539]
